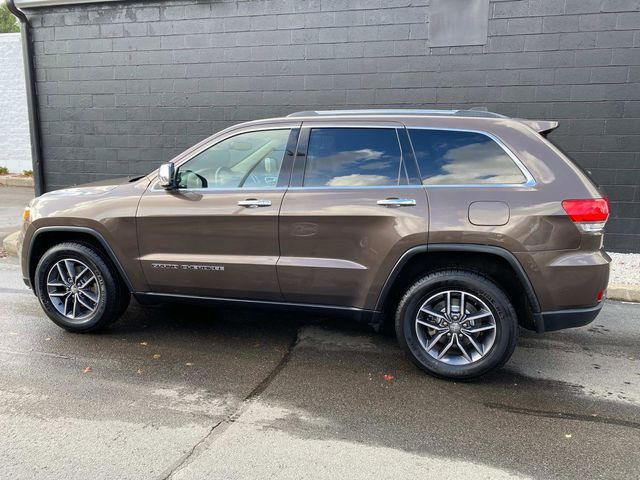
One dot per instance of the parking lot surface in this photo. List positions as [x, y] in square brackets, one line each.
[189, 392]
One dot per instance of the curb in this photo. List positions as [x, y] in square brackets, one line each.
[16, 181]
[618, 292]
[625, 293]
[10, 244]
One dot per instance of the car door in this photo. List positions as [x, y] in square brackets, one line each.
[354, 206]
[216, 235]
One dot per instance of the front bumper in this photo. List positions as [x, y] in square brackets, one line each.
[561, 319]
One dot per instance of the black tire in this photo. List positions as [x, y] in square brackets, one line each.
[482, 288]
[112, 296]
[124, 299]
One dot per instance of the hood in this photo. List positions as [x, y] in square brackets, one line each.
[93, 188]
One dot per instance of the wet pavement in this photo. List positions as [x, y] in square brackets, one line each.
[184, 392]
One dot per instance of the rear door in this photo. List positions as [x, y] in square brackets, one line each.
[354, 206]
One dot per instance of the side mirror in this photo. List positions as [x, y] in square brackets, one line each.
[167, 176]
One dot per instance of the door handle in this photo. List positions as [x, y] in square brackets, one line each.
[254, 203]
[397, 202]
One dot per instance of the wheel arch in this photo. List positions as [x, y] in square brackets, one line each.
[46, 237]
[502, 269]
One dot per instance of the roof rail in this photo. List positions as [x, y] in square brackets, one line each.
[385, 111]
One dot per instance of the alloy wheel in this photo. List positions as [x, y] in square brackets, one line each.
[73, 289]
[455, 327]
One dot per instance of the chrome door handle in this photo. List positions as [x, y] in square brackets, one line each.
[397, 202]
[254, 203]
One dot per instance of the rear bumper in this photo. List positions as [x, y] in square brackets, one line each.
[561, 319]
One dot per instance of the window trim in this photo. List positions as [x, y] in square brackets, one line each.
[303, 150]
[529, 179]
[234, 133]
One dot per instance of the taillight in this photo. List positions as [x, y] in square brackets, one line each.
[589, 215]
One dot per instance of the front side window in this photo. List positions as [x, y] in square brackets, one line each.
[248, 160]
[353, 157]
[462, 158]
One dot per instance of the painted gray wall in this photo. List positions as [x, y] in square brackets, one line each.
[124, 86]
[15, 146]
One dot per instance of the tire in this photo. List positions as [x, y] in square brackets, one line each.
[124, 300]
[424, 305]
[95, 289]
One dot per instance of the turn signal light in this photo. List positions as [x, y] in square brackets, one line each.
[26, 214]
[589, 215]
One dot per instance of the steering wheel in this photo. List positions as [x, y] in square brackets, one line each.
[218, 177]
[184, 176]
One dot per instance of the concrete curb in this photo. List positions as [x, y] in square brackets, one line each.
[10, 244]
[625, 293]
[16, 181]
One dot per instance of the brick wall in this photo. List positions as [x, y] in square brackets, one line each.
[124, 86]
[15, 146]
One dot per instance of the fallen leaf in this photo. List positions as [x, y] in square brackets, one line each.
[388, 377]
[87, 370]
[156, 356]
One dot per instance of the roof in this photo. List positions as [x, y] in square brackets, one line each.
[541, 126]
[404, 112]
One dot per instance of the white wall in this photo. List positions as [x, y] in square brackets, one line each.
[15, 148]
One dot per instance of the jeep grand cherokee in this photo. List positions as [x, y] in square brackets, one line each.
[459, 225]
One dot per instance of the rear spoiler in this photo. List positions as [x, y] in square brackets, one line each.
[543, 127]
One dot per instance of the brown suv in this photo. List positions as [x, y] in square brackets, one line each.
[462, 224]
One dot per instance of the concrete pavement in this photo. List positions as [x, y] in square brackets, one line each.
[12, 203]
[182, 392]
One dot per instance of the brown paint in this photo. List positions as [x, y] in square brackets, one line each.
[336, 246]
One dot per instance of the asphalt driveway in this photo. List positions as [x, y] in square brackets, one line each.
[183, 392]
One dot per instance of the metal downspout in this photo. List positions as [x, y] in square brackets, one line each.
[32, 102]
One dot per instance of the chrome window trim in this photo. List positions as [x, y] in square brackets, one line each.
[215, 141]
[352, 187]
[529, 179]
[227, 190]
[311, 124]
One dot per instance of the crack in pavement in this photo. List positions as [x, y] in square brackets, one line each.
[222, 425]
[563, 415]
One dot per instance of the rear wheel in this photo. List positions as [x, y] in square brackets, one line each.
[456, 324]
[79, 288]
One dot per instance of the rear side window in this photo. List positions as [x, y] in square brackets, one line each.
[462, 158]
[353, 157]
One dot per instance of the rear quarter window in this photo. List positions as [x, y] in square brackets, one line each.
[447, 157]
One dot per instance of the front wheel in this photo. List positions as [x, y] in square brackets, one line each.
[79, 288]
[456, 324]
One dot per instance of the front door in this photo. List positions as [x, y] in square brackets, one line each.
[217, 234]
[354, 206]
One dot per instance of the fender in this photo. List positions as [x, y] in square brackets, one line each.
[86, 230]
[462, 247]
